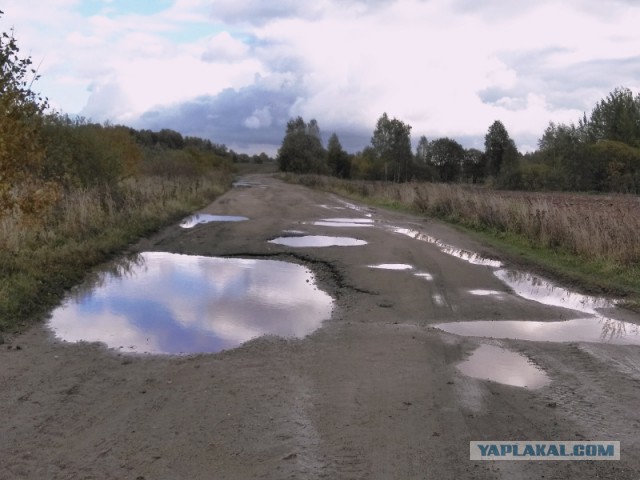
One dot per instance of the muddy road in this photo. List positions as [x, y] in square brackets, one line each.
[377, 392]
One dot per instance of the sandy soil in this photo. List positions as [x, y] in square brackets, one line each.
[373, 394]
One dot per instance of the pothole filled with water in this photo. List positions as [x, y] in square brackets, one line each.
[344, 222]
[597, 327]
[465, 255]
[487, 293]
[538, 289]
[246, 184]
[199, 218]
[593, 330]
[402, 267]
[392, 266]
[497, 364]
[317, 241]
[165, 303]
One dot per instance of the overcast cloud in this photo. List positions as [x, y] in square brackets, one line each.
[236, 70]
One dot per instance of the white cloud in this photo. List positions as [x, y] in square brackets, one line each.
[224, 48]
[447, 67]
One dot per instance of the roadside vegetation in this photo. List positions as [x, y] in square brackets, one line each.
[570, 207]
[74, 193]
[599, 154]
[590, 241]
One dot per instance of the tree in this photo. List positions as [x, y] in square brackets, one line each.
[391, 144]
[301, 150]
[422, 151]
[502, 156]
[21, 119]
[615, 118]
[474, 164]
[313, 129]
[446, 155]
[337, 159]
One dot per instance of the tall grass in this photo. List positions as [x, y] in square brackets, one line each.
[42, 257]
[595, 228]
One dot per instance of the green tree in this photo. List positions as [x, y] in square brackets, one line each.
[614, 167]
[337, 159]
[474, 164]
[446, 155]
[391, 144]
[561, 151]
[301, 150]
[502, 156]
[499, 148]
[615, 118]
[422, 151]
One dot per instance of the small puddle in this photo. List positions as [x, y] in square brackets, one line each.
[465, 255]
[393, 266]
[593, 330]
[540, 290]
[344, 222]
[487, 293]
[246, 184]
[497, 364]
[164, 303]
[426, 276]
[318, 241]
[199, 218]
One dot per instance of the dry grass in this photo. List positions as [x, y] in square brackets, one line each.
[42, 257]
[602, 228]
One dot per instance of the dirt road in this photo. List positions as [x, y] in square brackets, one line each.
[375, 393]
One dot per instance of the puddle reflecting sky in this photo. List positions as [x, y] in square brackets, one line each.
[344, 222]
[194, 220]
[247, 184]
[171, 304]
[594, 330]
[354, 207]
[540, 290]
[597, 328]
[488, 293]
[318, 241]
[489, 362]
[465, 255]
[392, 266]
[426, 276]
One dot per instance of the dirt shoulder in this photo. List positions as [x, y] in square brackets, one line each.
[373, 394]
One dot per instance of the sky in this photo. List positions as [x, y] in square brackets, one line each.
[235, 71]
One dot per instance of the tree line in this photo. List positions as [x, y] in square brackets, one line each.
[600, 153]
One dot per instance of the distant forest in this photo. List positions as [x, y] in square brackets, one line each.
[601, 153]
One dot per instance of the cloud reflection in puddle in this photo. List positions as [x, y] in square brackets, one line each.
[489, 362]
[199, 218]
[175, 304]
[318, 241]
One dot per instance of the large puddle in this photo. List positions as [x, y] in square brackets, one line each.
[489, 362]
[596, 328]
[199, 218]
[165, 303]
[317, 241]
